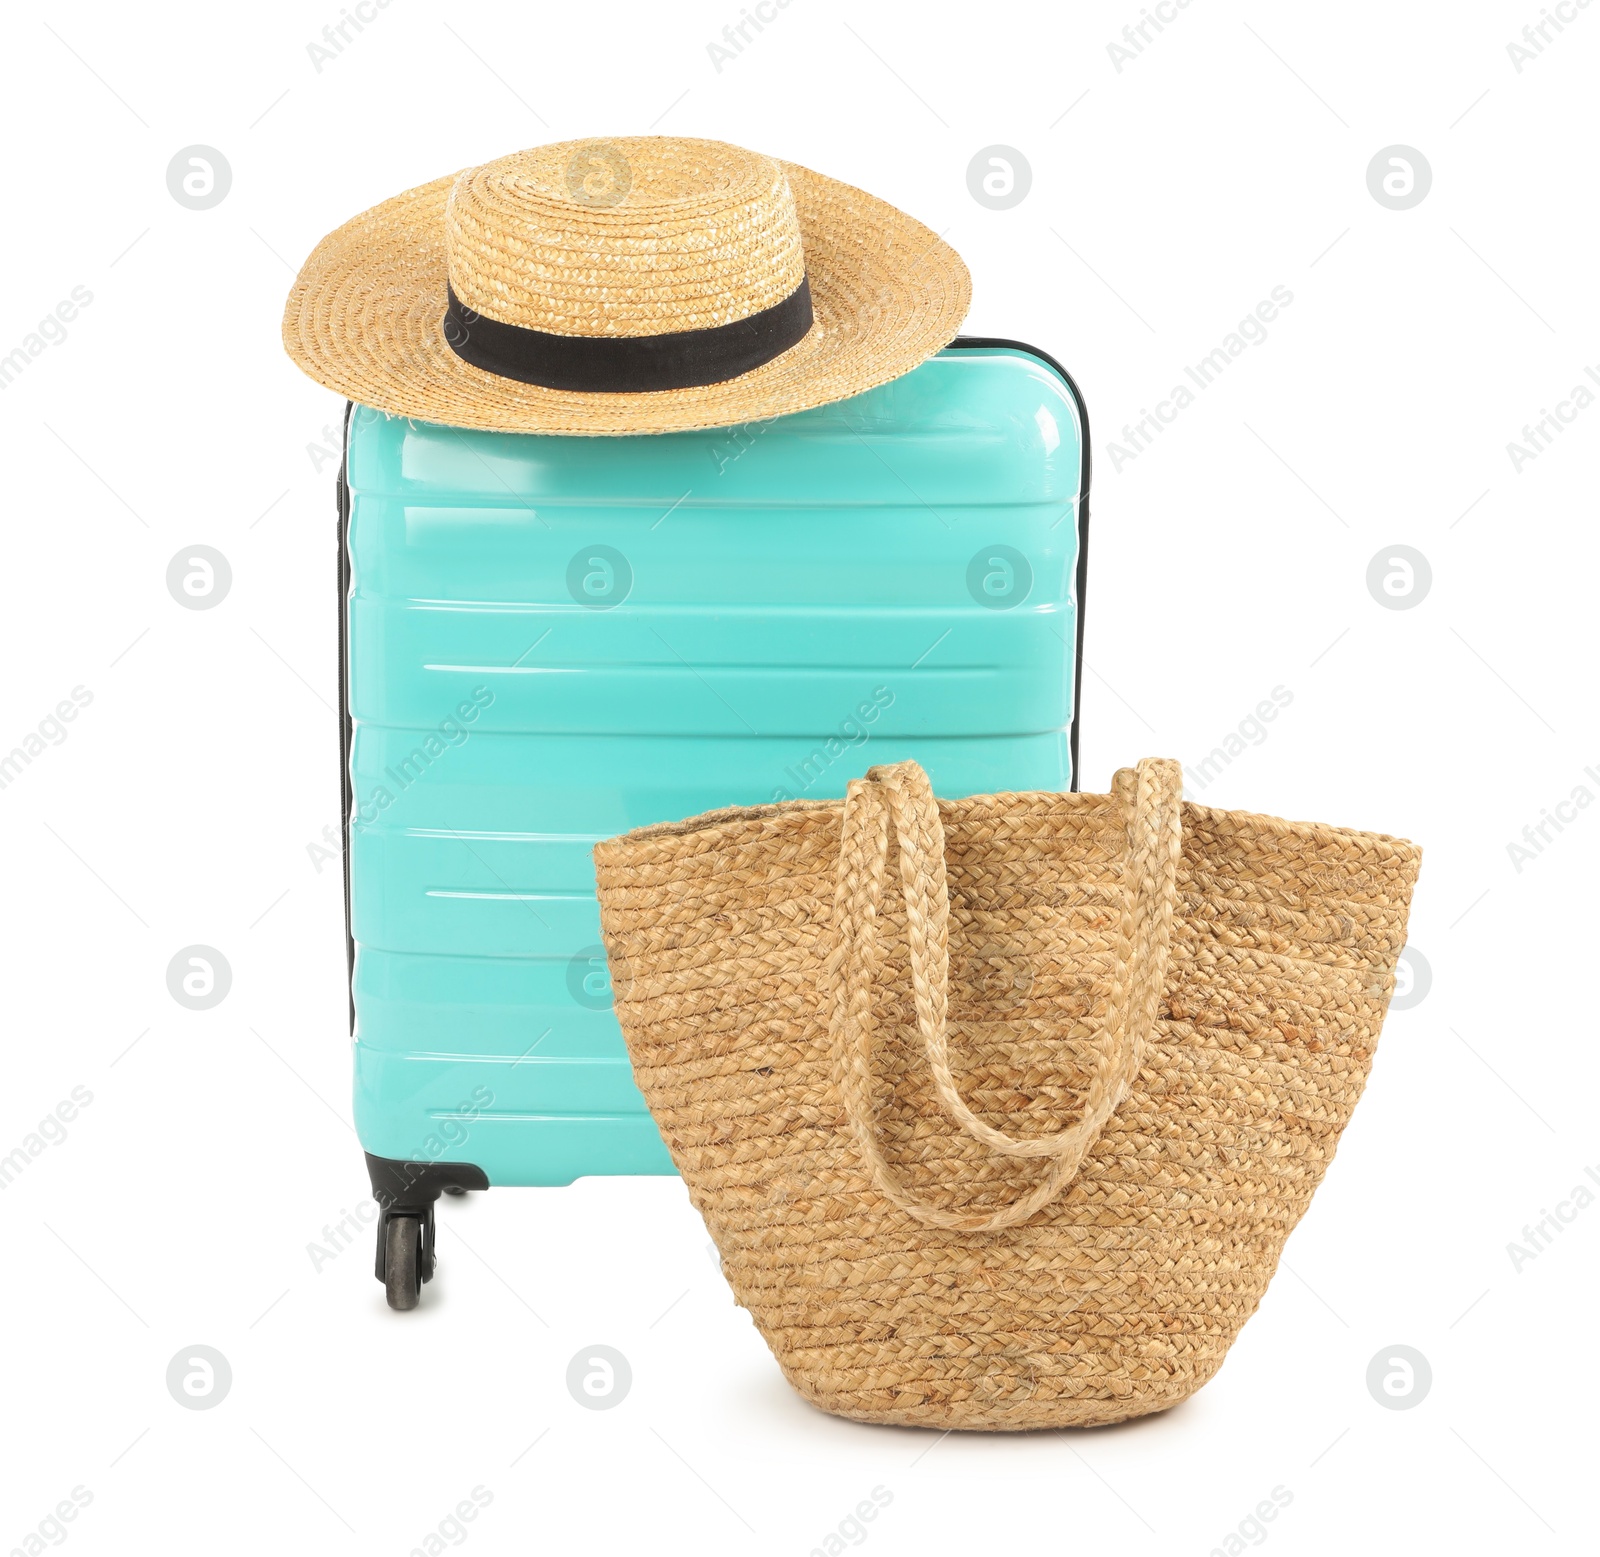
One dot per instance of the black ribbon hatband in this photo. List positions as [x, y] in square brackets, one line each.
[614, 364]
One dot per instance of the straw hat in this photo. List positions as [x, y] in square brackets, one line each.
[646, 284]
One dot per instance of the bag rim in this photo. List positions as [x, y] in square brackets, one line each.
[754, 819]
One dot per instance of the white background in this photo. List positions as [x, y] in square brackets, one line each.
[1227, 158]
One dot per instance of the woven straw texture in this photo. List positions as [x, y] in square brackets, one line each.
[1001, 1109]
[638, 236]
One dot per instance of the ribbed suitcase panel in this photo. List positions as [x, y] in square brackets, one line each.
[554, 640]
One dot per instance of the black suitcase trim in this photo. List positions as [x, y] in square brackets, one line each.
[346, 795]
[410, 1189]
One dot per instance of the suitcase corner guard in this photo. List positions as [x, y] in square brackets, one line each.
[406, 1193]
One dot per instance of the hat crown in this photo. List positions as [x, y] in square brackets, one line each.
[644, 235]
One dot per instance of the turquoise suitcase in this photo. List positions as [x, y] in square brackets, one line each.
[546, 641]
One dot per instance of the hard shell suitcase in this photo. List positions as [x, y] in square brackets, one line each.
[546, 641]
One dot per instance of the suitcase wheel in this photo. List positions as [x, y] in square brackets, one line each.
[406, 1193]
[403, 1261]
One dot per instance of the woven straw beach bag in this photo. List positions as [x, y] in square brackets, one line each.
[1001, 1109]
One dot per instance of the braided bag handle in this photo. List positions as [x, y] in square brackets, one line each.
[899, 795]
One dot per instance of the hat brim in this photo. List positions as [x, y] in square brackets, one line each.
[366, 314]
